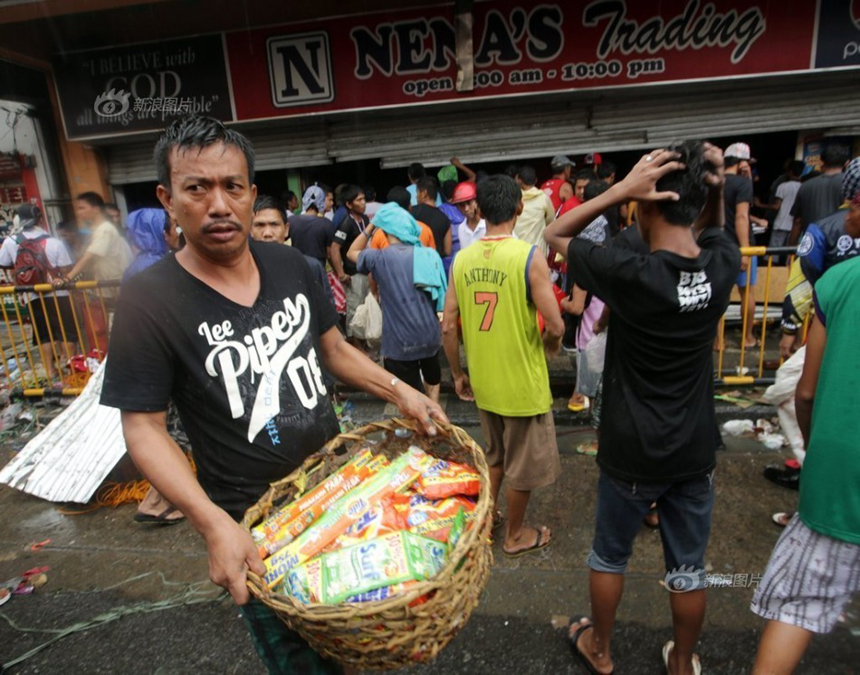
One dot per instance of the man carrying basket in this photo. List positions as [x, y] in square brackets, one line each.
[236, 334]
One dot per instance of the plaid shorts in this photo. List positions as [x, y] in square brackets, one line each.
[283, 651]
[809, 579]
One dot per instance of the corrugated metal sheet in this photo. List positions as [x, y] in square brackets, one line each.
[71, 457]
[572, 122]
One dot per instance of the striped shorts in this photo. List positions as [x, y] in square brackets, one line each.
[809, 579]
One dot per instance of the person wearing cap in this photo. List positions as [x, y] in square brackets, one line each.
[49, 326]
[473, 227]
[310, 232]
[820, 196]
[738, 197]
[412, 284]
[538, 211]
[557, 187]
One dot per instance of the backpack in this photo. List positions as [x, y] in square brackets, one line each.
[31, 263]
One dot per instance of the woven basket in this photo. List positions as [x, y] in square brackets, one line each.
[388, 634]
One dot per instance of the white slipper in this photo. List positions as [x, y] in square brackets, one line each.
[667, 649]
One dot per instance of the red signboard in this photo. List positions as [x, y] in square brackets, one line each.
[409, 57]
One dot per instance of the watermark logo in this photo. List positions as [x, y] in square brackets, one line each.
[683, 579]
[112, 103]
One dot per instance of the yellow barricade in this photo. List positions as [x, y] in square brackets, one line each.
[745, 366]
[51, 333]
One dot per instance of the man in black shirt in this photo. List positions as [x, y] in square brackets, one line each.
[310, 232]
[235, 333]
[428, 213]
[355, 285]
[656, 437]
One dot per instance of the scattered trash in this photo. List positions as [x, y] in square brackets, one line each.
[28, 582]
[10, 414]
[739, 427]
[773, 441]
[560, 621]
[5, 594]
[37, 546]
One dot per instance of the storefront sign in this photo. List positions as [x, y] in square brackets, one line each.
[410, 57]
[142, 87]
[838, 41]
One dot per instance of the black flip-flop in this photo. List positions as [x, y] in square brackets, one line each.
[160, 519]
[539, 544]
[583, 659]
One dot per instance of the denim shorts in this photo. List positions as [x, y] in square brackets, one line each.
[685, 525]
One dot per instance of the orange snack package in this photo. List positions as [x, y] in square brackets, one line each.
[446, 479]
[434, 519]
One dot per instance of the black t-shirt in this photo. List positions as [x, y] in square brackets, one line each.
[658, 415]
[436, 220]
[312, 235]
[346, 234]
[247, 381]
[737, 190]
[817, 198]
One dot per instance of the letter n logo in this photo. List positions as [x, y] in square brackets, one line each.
[300, 69]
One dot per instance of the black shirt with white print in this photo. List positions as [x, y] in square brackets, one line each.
[247, 381]
[658, 416]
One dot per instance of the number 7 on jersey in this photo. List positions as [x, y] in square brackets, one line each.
[490, 300]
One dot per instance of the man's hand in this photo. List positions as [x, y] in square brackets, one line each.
[344, 278]
[641, 183]
[415, 405]
[745, 263]
[59, 282]
[715, 176]
[786, 345]
[231, 554]
[463, 387]
[551, 343]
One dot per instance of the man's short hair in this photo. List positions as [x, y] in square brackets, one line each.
[731, 161]
[527, 175]
[168, 223]
[688, 182]
[796, 167]
[400, 196]
[416, 171]
[448, 188]
[595, 188]
[91, 198]
[199, 132]
[605, 169]
[370, 193]
[585, 174]
[512, 170]
[428, 185]
[264, 202]
[498, 198]
[350, 194]
[835, 156]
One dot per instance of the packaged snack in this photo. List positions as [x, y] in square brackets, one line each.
[435, 519]
[446, 479]
[383, 593]
[369, 566]
[294, 528]
[304, 583]
[397, 476]
[270, 527]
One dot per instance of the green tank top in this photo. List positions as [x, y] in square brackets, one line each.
[504, 352]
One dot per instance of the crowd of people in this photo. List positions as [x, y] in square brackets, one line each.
[246, 337]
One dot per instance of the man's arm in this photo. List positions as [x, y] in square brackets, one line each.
[352, 367]
[640, 185]
[796, 229]
[79, 267]
[231, 550]
[451, 342]
[547, 305]
[742, 230]
[714, 212]
[805, 394]
[447, 243]
[470, 175]
[337, 262]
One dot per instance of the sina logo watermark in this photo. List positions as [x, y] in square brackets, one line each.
[112, 103]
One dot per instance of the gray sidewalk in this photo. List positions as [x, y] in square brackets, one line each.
[517, 628]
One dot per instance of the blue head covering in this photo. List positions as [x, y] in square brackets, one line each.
[146, 234]
[398, 222]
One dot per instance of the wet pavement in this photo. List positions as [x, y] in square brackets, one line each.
[96, 561]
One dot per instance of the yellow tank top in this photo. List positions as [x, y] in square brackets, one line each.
[504, 352]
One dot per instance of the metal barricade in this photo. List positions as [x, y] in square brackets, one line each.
[48, 338]
[766, 359]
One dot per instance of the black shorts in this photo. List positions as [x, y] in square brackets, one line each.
[65, 318]
[411, 372]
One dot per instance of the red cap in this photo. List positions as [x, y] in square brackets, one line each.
[464, 192]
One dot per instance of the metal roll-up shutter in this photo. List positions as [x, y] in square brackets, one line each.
[131, 162]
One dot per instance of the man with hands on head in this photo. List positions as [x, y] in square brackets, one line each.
[665, 306]
[236, 333]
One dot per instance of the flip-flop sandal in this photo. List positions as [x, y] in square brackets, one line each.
[779, 517]
[573, 639]
[160, 519]
[579, 407]
[588, 449]
[498, 520]
[754, 345]
[542, 542]
[667, 649]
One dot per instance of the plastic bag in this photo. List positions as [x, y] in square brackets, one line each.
[589, 368]
[366, 324]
